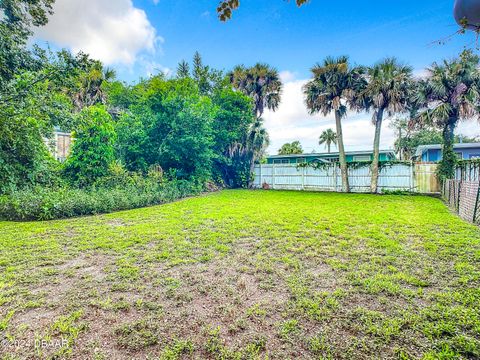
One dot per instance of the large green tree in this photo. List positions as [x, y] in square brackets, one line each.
[407, 139]
[450, 93]
[17, 20]
[170, 126]
[334, 88]
[233, 121]
[94, 147]
[388, 93]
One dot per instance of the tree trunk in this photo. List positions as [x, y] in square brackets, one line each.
[252, 169]
[328, 145]
[449, 158]
[376, 151]
[341, 151]
[400, 149]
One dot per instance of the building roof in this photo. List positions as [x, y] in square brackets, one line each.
[423, 148]
[332, 154]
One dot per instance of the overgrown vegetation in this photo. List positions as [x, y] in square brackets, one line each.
[193, 127]
[330, 275]
[41, 203]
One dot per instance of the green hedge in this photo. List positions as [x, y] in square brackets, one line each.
[47, 204]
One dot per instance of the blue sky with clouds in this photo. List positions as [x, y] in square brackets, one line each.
[141, 37]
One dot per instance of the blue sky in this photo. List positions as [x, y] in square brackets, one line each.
[141, 37]
[293, 39]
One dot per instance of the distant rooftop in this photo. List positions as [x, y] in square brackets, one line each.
[332, 154]
[422, 148]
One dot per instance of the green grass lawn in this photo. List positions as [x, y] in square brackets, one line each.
[244, 275]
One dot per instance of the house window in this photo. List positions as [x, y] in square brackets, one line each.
[474, 156]
[361, 158]
[459, 155]
[281, 161]
[333, 160]
[301, 160]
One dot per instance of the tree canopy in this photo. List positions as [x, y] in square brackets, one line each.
[291, 148]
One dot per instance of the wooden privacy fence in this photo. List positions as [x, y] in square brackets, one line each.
[404, 176]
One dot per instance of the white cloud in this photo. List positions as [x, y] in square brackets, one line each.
[287, 76]
[151, 67]
[114, 32]
[469, 128]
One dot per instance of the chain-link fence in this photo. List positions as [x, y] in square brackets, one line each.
[463, 197]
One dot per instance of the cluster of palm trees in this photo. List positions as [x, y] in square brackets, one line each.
[449, 93]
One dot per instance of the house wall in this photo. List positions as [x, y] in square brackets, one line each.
[434, 155]
[60, 145]
[467, 154]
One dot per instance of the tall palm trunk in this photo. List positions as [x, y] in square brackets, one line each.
[376, 151]
[341, 150]
[328, 145]
[449, 158]
[252, 170]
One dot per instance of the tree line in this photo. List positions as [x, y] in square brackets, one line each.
[432, 106]
[202, 124]
[448, 94]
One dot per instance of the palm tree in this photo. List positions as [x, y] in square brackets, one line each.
[252, 146]
[90, 90]
[261, 82]
[334, 87]
[388, 92]
[257, 141]
[449, 94]
[328, 137]
[291, 148]
[263, 85]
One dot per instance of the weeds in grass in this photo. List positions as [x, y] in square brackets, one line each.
[284, 275]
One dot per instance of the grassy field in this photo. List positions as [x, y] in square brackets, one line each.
[245, 275]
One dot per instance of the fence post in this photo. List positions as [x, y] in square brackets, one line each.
[303, 177]
[273, 176]
[261, 177]
[335, 175]
[476, 205]
[458, 195]
[412, 178]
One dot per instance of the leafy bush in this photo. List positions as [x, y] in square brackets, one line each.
[93, 149]
[64, 202]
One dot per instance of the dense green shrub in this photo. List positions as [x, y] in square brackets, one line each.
[46, 204]
[93, 149]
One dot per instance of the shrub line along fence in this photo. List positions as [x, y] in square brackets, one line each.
[414, 177]
[462, 194]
